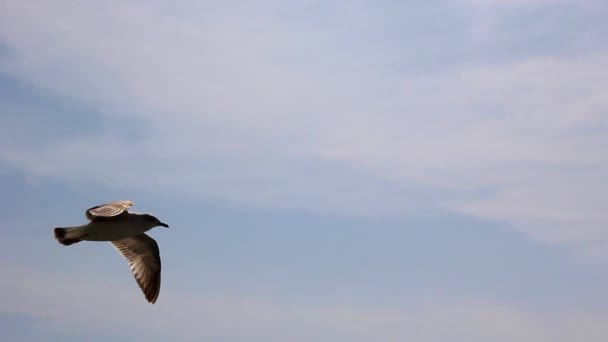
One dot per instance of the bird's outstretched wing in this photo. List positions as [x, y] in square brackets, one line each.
[142, 253]
[108, 210]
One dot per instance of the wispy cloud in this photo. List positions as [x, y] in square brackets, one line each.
[241, 103]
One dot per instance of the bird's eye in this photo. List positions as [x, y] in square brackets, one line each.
[151, 219]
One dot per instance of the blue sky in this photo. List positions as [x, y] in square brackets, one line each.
[331, 171]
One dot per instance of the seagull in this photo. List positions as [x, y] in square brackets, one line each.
[126, 232]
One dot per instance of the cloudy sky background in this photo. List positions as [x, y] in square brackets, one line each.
[331, 171]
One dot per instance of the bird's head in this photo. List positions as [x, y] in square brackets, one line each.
[152, 221]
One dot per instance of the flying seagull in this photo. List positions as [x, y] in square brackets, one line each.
[112, 222]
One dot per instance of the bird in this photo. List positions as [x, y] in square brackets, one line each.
[125, 230]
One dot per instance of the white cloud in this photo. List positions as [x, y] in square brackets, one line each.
[242, 105]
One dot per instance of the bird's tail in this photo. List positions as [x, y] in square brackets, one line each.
[68, 236]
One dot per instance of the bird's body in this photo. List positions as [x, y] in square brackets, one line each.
[111, 230]
[113, 223]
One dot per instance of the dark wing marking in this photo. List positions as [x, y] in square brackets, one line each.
[143, 255]
[108, 210]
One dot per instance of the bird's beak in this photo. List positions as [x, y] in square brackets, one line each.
[164, 225]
